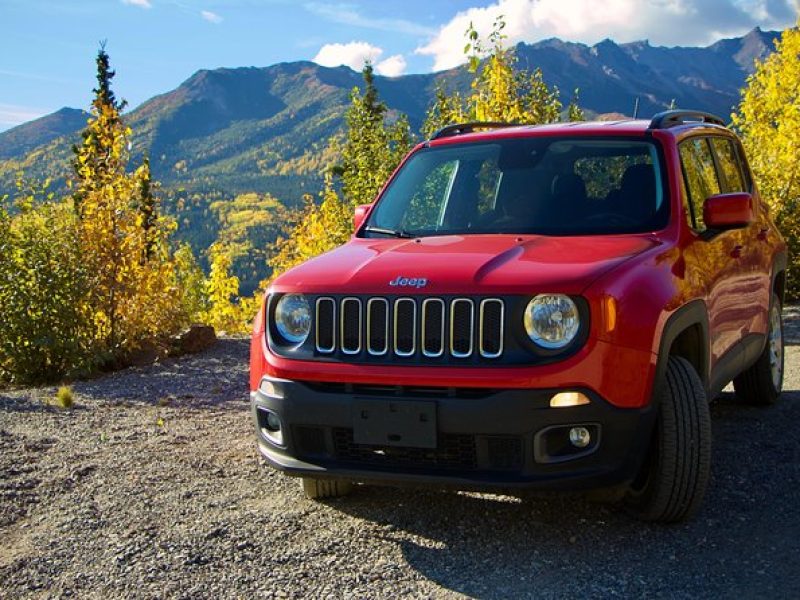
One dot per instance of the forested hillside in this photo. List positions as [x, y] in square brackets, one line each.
[92, 274]
[266, 129]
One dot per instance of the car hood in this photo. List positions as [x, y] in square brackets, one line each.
[475, 264]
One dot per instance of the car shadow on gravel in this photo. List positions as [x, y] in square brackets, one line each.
[744, 541]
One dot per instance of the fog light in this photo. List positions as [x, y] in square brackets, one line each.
[273, 422]
[566, 399]
[271, 426]
[579, 437]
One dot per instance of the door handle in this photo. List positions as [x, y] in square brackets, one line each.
[763, 234]
[737, 251]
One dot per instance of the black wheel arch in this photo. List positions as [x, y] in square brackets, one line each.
[778, 279]
[685, 334]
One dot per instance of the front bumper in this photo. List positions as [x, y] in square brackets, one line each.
[484, 438]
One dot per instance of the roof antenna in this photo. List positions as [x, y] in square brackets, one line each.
[636, 108]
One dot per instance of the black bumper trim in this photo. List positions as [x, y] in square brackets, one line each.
[503, 416]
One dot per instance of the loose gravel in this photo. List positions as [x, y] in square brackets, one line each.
[151, 487]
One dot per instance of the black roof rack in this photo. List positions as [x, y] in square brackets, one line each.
[459, 128]
[670, 118]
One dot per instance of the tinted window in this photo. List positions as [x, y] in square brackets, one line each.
[603, 174]
[728, 164]
[427, 201]
[700, 177]
[553, 186]
[748, 181]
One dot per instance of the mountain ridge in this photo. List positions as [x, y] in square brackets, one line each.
[237, 129]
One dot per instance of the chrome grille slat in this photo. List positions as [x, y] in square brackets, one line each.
[372, 327]
[429, 327]
[398, 306]
[498, 329]
[347, 323]
[458, 322]
[427, 316]
[321, 329]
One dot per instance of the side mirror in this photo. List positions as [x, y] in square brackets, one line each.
[361, 213]
[728, 211]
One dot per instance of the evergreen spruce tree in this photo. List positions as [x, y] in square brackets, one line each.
[148, 206]
[102, 154]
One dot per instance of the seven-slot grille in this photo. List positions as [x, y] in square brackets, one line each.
[407, 327]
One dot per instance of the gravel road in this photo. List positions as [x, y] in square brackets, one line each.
[151, 487]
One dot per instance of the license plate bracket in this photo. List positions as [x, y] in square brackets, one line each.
[403, 423]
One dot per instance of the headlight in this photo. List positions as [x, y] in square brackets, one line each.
[293, 318]
[552, 320]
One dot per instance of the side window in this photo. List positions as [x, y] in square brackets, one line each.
[700, 177]
[728, 164]
[744, 166]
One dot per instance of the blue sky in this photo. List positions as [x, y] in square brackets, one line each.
[47, 47]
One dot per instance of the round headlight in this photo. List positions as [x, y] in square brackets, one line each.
[552, 320]
[293, 318]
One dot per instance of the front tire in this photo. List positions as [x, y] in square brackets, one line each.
[674, 478]
[762, 383]
[318, 489]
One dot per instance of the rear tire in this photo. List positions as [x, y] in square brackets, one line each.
[317, 489]
[762, 383]
[674, 478]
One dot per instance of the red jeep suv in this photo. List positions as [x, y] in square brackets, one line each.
[531, 306]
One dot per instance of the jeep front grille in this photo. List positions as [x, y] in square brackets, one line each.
[410, 327]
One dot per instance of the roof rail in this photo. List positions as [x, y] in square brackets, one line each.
[459, 128]
[670, 118]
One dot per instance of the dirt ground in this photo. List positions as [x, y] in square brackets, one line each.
[151, 487]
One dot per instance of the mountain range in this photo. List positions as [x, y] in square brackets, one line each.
[232, 130]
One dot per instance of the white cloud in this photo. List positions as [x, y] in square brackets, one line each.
[393, 66]
[352, 54]
[139, 3]
[211, 17]
[355, 54]
[688, 22]
[349, 14]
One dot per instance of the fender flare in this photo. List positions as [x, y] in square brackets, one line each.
[689, 315]
[779, 264]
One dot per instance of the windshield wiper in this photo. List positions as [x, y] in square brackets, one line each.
[398, 233]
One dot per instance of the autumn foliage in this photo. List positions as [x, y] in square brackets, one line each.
[374, 143]
[87, 279]
[768, 119]
[373, 146]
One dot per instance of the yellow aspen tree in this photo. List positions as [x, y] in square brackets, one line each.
[125, 242]
[768, 119]
[226, 312]
[500, 91]
[371, 150]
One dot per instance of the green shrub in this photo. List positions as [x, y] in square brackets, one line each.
[46, 328]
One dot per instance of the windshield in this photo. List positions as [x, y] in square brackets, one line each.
[550, 186]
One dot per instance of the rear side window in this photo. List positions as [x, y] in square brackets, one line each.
[700, 178]
[728, 164]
